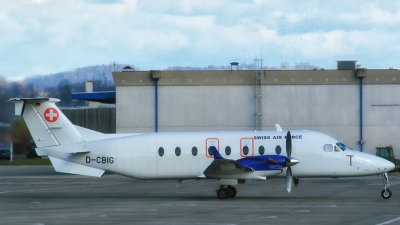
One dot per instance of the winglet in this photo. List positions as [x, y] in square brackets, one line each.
[278, 127]
[215, 153]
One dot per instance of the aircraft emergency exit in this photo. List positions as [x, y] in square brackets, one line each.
[231, 157]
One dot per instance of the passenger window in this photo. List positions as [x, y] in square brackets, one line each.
[194, 151]
[209, 151]
[161, 151]
[278, 149]
[228, 150]
[177, 151]
[261, 150]
[328, 148]
[245, 150]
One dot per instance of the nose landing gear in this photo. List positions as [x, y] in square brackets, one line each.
[386, 192]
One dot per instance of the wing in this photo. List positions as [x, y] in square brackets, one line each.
[256, 167]
[221, 167]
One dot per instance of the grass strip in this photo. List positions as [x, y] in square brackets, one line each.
[23, 162]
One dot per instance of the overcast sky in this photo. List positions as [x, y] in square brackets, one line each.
[49, 36]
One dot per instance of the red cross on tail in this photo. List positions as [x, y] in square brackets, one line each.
[51, 115]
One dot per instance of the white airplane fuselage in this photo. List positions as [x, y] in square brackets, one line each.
[230, 157]
[138, 156]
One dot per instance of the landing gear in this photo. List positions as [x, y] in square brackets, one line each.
[231, 191]
[386, 193]
[222, 193]
[296, 181]
[225, 191]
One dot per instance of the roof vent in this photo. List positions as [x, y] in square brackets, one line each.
[127, 69]
[347, 65]
[234, 64]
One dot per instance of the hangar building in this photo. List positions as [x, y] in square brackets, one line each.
[360, 107]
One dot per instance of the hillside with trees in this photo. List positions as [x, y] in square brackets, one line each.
[58, 85]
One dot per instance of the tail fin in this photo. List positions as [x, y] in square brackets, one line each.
[46, 123]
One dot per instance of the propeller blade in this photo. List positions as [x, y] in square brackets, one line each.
[288, 144]
[289, 179]
[272, 161]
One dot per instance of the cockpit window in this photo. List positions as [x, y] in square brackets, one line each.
[341, 146]
[328, 148]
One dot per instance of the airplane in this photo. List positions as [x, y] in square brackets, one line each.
[231, 157]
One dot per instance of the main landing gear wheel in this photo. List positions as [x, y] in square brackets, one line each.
[226, 191]
[231, 191]
[386, 194]
[222, 193]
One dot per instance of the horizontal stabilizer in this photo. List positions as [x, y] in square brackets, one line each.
[81, 147]
[77, 150]
[56, 151]
[63, 166]
[21, 102]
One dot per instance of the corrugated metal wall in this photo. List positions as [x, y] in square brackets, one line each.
[98, 119]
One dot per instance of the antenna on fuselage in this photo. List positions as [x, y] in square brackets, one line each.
[278, 127]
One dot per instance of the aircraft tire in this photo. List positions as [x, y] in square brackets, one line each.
[386, 194]
[222, 193]
[231, 191]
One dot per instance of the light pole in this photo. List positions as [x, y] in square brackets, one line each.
[114, 66]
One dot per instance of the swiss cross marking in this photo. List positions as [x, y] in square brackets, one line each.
[51, 115]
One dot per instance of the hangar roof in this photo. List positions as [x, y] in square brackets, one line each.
[246, 77]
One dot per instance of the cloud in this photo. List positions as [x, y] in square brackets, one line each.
[39, 2]
[40, 37]
[371, 15]
[105, 1]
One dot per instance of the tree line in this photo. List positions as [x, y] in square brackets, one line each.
[59, 85]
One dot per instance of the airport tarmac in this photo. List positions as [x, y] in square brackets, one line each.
[38, 195]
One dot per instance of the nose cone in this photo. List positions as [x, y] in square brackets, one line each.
[290, 161]
[379, 164]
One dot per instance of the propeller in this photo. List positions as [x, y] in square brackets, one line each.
[289, 161]
[288, 144]
[272, 161]
[289, 179]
